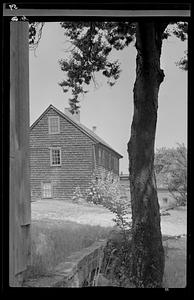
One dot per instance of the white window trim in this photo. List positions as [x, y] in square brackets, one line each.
[55, 148]
[49, 124]
[42, 193]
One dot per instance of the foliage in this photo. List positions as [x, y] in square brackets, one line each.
[105, 189]
[77, 195]
[92, 43]
[117, 259]
[171, 165]
[35, 33]
[183, 63]
[90, 52]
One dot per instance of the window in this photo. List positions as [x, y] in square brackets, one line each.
[103, 158]
[46, 190]
[55, 156]
[109, 162]
[100, 157]
[53, 124]
[115, 164]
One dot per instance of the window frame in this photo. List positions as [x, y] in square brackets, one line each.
[49, 124]
[109, 161]
[99, 156]
[42, 189]
[51, 160]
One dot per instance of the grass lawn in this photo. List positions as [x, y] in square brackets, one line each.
[175, 262]
[60, 228]
[60, 211]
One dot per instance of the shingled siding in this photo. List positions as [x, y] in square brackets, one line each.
[77, 157]
[109, 160]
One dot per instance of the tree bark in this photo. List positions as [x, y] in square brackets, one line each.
[147, 250]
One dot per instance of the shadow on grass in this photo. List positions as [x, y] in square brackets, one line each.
[175, 262]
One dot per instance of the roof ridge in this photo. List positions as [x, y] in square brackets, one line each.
[81, 126]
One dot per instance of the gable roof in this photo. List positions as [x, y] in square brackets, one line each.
[78, 125]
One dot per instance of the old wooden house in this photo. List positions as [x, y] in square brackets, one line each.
[64, 154]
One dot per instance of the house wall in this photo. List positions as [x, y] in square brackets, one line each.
[77, 155]
[109, 160]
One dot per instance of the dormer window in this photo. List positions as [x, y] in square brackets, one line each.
[53, 125]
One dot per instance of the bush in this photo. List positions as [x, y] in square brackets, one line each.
[105, 190]
[117, 259]
[77, 197]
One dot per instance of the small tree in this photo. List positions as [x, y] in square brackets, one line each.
[177, 180]
[105, 189]
[172, 168]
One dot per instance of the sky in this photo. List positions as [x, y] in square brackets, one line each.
[110, 109]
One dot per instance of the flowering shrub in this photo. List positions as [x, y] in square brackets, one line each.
[77, 195]
[105, 189]
[101, 187]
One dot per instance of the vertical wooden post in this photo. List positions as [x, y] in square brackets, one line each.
[19, 202]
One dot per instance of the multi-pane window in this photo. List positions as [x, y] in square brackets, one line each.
[55, 156]
[46, 190]
[100, 156]
[53, 123]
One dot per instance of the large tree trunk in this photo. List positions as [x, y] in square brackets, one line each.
[147, 250]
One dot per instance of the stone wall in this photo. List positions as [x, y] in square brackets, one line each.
[78, 270]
